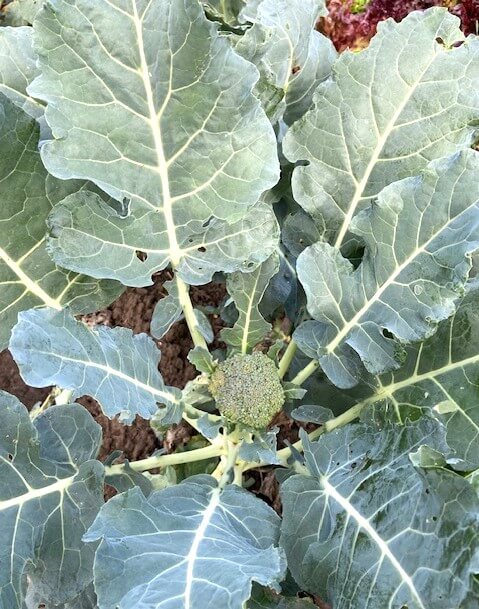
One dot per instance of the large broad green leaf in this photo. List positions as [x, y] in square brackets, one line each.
[28, 277]
[291, 56]
[365, 529]
[112, 365]
[51, 491]
[18, 68]
[441, 375]
[410, 97]
[247, 290]
[418, 238]
[149, 102]
[189, 546]
[88, 235]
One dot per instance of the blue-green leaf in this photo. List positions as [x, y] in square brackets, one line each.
[52, 489]
[189, 546]
[112, 365]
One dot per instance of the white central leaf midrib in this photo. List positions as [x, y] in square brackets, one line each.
[387, 390]
[154, 121]
[198, 538]
[248, 312]
[116, 373]
[59, 486]
[367, 527]
[360, 186]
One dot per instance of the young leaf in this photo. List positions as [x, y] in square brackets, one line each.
[261, 447]
[419, 237]
[247, 290]
[149, 67]
[365, 529]
[18, 68]
[410, 97]
[50, 494]
[28, 277]
[167, 311]
[291, 56]
[112, 365]
[191, 545]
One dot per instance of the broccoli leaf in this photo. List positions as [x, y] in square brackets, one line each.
[167, 311]
[52, 489]
[112, 365]
[247, 290]
[28, 277]
[148, 67]
[440, 375]
[291, 56]
[365, 529]
[88, 235]
[419, 237]
[192, 545]
[410, 97]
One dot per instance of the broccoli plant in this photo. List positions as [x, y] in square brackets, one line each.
[336, 197]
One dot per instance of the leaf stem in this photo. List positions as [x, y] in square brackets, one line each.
[189, 313]
[306, 372]
[189, 456]
[287, 358]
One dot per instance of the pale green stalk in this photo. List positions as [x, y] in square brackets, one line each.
[189, 456]
[189, 313]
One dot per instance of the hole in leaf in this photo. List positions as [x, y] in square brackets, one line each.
[202, 249]
[387, 334]
[434, 518]
[206, 223]
[440, 41]
[141, 255]
[427, 491]
[353, 465]
[10, 457]
[296, 69]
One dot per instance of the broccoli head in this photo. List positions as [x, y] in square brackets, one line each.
[247, 389]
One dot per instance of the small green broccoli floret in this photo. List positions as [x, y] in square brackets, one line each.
[247, 389]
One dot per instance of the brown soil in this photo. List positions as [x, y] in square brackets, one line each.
[133, 310]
